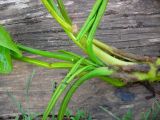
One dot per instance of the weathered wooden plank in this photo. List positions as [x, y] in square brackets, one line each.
[130, 25]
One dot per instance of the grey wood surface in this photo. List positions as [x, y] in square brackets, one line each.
[131, 25]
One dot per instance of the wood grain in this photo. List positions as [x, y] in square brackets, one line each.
[131, 25]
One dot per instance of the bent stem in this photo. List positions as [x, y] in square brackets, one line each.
[64, 83]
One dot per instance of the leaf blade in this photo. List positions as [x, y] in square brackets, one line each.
[5, 61]
[7, 42]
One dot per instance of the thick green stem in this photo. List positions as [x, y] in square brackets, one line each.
[112, 50]
[120, 53]
[108, 59]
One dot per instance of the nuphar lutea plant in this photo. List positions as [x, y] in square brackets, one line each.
[107, 63]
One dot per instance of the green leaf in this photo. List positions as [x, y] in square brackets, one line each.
[5, 61]
[7, 47]
[7, 42]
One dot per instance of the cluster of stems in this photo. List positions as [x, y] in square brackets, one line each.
[111, 65]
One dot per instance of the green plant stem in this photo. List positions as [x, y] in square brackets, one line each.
[108, 59]
[67, 27]
[65, 82]
[97, 72]
[93, 31]
[58, 65]
[64, 24]
[52, 3]
[83, 33]
[86, 61]
[56, 55]
[74, 39]
[64, 12]
[121, 54]
[89, 19]
[61, 55]
[96, 50]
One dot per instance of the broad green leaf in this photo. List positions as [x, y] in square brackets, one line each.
[5, 60]
[7, 42]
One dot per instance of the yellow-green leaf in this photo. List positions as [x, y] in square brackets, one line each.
[7, 42]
